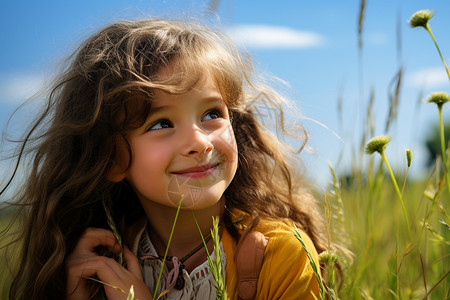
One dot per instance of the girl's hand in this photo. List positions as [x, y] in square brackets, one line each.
[83, 262]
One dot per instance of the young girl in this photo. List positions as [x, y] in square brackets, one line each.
[148, 113]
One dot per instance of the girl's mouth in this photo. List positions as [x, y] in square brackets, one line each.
[197, 171]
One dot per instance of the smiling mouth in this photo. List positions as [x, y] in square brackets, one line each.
[197, 171]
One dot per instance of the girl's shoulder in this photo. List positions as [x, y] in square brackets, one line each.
[283, 243]
[281, 237]
[281, 228]
[286, 271]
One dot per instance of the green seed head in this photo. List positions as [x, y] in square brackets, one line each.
[421, 18]
[439, 98]
[328, 256]
[408, 157]
[377, 144]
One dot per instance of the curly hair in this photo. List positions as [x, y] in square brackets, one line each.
[105, 91]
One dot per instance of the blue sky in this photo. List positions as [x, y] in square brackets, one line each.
[312, 45]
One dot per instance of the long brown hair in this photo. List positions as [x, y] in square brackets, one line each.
[105, 91]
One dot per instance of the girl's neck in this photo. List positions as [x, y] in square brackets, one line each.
[186, 235]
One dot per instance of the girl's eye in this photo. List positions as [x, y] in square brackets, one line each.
[161, 124]
[212, 114]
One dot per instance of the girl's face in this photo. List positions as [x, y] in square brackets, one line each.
[186, 147]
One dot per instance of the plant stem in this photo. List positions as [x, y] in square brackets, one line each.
[399, 194]
[437, 47]
[167, 248]
[203, 239]
[444, 156]
[404, 181]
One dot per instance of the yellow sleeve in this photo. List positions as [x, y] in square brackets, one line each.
[286, 272]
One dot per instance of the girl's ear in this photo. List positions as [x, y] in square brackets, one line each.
[119, 167]
[116, 173]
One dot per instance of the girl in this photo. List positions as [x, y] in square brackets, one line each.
[146, 114]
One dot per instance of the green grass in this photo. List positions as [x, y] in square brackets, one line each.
[386, 263]
[378, 237]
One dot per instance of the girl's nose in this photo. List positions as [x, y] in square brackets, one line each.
[197, 141]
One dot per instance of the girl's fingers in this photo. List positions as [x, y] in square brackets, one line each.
[85, 268]
[94, 237]
[106, 269]
[132, 263]
[84, 263]
[116, 279]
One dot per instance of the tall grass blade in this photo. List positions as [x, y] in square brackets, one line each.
[113, 227]
[437, 283]
[399, 194]
[394, 98]
[362, 7]
[424, 274]
[337, 205]
[167, 248]
[107, 284]
[298, 236]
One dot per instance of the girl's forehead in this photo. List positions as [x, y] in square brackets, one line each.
[179, 80]
[183, 75]
[205, 88]
[185, 71]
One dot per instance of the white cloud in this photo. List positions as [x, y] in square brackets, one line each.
[17, 87]
[274, 37]
[428, 78]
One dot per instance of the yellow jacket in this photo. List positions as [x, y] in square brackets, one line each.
[286, 272]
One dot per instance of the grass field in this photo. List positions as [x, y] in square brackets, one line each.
[387, 263]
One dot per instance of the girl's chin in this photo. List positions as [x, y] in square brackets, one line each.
[196, 198]
[191, 202]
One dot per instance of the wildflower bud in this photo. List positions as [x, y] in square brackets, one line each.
[421, 18]
[328, 257]
[377, 144]
[408, 157]
[439, 98]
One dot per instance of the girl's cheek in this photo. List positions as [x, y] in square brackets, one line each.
[227, 135]
[228, 138]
